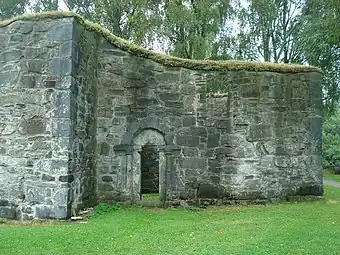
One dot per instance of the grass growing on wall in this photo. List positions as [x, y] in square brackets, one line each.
[217, 86]
[288, 228]
[165, 59]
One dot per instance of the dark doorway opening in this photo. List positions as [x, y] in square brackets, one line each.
[149, 172]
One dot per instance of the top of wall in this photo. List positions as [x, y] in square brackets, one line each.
[166, 60]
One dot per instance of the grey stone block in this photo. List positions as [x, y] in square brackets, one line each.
[36, 53]
[28, 81]
[107, 179]
[61, 66]
[187, 140]
[3, 40]
[36, 194]
[62, 105]
[59, 166]
[213, 140]
[16, 39]
[11, 55]
[104, 149]
[66, 178]
[46, 177]
[8, 212]
[4, 202]
[207, 190]
[51, 212]
[36, 66]
[63, 32]
[193, 163]
[189, 121]
[26, 28]
[62, 128]
[33, 126]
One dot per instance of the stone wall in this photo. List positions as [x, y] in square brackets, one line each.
[257, 140]
[35, 81]
[76, 111]
[48, 103]
[82, 178]
[269, 145]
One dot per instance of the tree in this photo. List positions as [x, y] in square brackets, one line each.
[267, 30]
[331, 142]
[184, 28]
[45, 5]
[321, 43]
[10, 8]
[134, 20]
[82, 7]
[192, 27]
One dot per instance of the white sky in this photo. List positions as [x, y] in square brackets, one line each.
[62, 6]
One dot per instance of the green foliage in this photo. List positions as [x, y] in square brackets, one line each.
[45, 5]
[192, 27]
[268, 31]
[150, 196]
[331, 141]
[132, 20]
[217, 84]
[10, 8]
[82, 7]
[182, 28]
[321, 41]
[3, 221]
[103, 208]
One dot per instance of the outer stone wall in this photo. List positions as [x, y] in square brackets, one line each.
[47, 118]
[75, 112]
[35, 82]
[260, 140]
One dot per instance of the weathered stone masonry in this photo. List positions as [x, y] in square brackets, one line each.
[76, 111]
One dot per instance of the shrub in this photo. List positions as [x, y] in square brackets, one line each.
[103, 208]
[331, 142]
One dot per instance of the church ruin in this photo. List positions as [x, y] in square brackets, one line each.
[86, 118]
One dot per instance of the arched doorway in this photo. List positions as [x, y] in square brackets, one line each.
[148, 165]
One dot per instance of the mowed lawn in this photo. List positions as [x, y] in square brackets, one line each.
[289, 228]
[330, 176]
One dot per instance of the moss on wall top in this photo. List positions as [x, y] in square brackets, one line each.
[166, 60]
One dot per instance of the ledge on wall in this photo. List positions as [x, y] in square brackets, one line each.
[166, 60]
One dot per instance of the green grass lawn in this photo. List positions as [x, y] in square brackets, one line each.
[288, 228]
[330, 176]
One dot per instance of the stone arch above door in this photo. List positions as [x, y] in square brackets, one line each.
[148, 123]
[149, 135]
